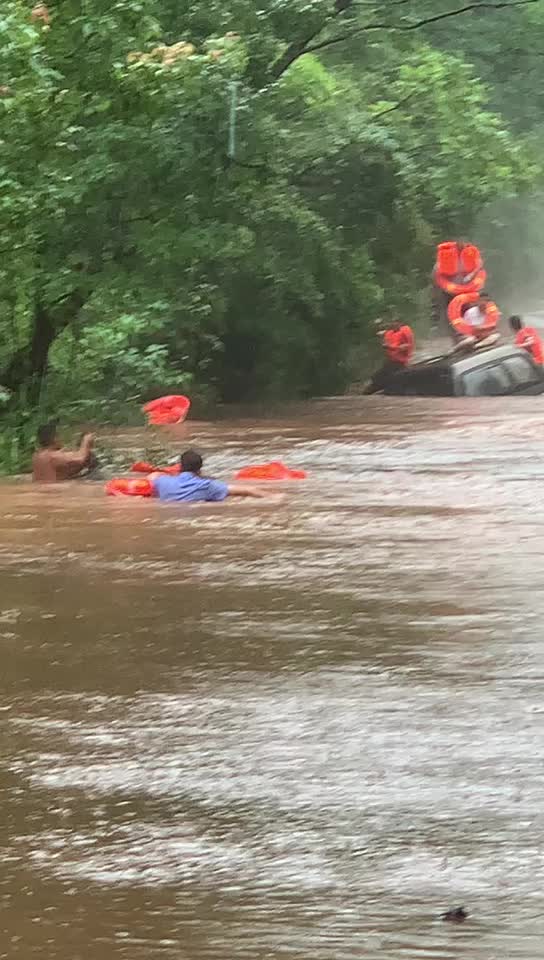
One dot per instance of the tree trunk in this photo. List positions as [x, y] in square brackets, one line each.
[28, 366]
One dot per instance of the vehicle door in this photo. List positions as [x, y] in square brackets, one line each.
[487, 379]
[527, 376]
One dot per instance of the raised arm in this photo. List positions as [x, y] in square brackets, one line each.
[70, 462]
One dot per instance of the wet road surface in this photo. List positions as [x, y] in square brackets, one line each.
[299, 730]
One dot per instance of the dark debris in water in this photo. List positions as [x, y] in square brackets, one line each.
[455, 915]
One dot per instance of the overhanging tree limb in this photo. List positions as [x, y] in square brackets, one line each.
[301, 47]
[396, 106]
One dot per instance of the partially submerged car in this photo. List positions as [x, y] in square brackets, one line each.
[493, 372]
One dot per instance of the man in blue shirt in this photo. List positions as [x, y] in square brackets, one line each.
[190, 487]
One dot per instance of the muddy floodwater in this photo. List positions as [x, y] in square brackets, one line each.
[254, 731]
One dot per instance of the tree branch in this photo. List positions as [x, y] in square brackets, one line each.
[396, 106]
[299, 47]
[302, 47]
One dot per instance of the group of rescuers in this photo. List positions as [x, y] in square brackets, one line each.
[398, 343]
[459, 277]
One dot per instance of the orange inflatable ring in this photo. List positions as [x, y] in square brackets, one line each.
[275, 470]
[456, 310]
[163, 410]
[125, 487]
[454, 289]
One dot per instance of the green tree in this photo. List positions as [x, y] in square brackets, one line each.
[139, 252]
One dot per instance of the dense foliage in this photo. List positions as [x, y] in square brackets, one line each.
[220, 195]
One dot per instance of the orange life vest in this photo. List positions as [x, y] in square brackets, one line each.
[143, 467]
[270, 471]
[171, 409]
[399, 344]
[529, 339]
[453, 264]
[125, 487]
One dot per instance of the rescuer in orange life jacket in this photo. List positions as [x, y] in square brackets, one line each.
[398, 342]
[527, 338]
[458, 264]
[458, 270]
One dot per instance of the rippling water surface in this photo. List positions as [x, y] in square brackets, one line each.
[298, 730]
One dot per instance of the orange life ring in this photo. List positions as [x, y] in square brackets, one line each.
[126, 487]
[454, 289]
[456, 310]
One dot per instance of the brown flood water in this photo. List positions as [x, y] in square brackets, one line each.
[255, 731]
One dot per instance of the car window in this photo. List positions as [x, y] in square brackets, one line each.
[521, 370]
[486, 381]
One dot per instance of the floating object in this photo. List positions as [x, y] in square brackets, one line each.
[457, 309]
[455, 262]
[275, 470]
[455, 915]
[164, 410]
[129, 487]
[142, 467]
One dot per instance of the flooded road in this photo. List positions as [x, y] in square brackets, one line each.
[253, 731]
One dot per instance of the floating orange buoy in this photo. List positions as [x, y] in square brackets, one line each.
[171, 409]
[142, 467]
[270, 471]
[127, 487]
[458, 307]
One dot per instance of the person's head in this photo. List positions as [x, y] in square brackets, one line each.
[191, 462]
[516, 323]
[47, 436]
[394, 323]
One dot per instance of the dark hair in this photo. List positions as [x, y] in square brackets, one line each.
[515, 322]
[47, 434]
[191, 461]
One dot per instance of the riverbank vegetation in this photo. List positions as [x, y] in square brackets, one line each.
[220, 196]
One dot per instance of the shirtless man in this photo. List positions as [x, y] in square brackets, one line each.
[51, 463]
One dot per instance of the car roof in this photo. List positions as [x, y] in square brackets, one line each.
[481, 357]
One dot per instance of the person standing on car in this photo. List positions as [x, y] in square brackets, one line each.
[398, 343]
[528, 339]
